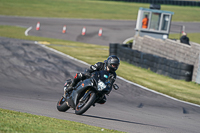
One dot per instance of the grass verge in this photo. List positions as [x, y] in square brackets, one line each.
[96, 9]
[12, 121]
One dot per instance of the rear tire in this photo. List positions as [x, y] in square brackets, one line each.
[62, 105]
[82, 107]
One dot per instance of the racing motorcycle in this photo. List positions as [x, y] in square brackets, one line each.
[87, 92]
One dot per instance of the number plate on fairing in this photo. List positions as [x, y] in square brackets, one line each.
[101, 85]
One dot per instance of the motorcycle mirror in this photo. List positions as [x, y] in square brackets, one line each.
[115, 86]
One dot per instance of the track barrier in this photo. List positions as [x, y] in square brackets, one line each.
[167, 2]
[157, 64]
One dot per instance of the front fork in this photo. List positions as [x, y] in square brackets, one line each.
[87, 93]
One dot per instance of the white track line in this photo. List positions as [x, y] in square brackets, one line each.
[26, 32]
[120, 77]
[157, 92]
[128, 39]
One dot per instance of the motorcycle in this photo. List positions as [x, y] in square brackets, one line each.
[87, 92]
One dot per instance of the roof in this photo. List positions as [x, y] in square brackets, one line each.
[157, 11]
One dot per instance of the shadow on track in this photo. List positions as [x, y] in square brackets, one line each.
[112, 119]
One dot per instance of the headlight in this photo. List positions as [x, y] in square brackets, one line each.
[101, 85]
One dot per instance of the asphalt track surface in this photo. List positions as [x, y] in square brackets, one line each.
[32, 78]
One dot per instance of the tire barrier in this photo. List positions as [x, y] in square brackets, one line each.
[113, 49]
[160, 65]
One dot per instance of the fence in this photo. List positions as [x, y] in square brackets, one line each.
[166, 2]
[157, 64]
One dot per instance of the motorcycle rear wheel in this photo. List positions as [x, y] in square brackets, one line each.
[83, 106]
[62, 105]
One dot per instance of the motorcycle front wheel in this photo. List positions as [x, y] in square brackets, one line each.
[84, 105]
[62, 105]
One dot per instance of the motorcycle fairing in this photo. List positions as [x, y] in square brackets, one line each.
[73, 99]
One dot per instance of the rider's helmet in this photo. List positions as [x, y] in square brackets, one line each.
[113, 63]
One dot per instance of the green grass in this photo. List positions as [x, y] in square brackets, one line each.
[12, 121]
[96, 9]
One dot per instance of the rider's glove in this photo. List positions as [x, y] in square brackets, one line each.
[87, 73]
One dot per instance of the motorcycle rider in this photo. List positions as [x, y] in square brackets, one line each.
[110, 65]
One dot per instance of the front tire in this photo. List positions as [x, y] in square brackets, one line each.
[62, 105]
[83, 106]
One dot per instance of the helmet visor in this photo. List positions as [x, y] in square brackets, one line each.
[114, 65]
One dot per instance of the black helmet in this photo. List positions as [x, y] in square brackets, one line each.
[113, 63]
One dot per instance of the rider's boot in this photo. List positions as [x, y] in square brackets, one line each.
[69, 87]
